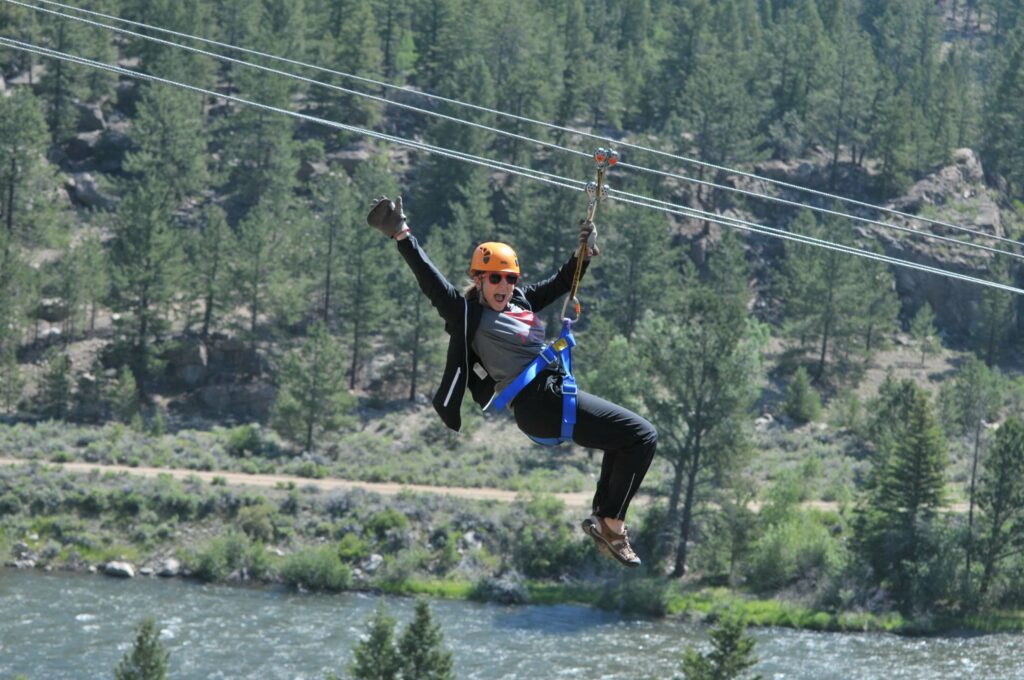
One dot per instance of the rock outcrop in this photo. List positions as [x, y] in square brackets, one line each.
[119, 569]
[955, 195]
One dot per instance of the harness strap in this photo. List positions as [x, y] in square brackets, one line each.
[560, 349]
[549, 355]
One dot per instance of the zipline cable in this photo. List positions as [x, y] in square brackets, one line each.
[641, 201]
[525, 119]
[557, 180]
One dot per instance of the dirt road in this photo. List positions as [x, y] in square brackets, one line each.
[572, 500]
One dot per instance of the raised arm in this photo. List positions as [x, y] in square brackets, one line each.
[388, 218]
[543, 293]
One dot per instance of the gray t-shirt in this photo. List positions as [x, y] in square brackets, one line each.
[507, 342]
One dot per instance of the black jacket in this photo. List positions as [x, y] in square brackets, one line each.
[461, 319]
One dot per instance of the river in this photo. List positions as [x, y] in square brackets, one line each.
[61, 625]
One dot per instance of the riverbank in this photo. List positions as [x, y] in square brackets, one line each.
[356, 541]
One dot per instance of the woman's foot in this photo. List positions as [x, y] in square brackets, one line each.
[612, 543]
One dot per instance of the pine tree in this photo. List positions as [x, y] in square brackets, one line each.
[55, 391]
[192, 17]
[209, 253]
[23, 142]
[922, 330]
[63, 82]
[802, 404]
[367, 270]
[257, 241]
[93, 279]
[357, 50]
[896, 531]
[891, 141]
[731, 655]
[708, 363]
[1001, 499]
[376, 657]
[640, 273]
[822, 296]
[124, 396]
[1003, 143]
[423, 657]
[169, 140]
[974, 397]
[146, 268]
[840, 109]
[991, 331]
[260, 155]
[147, 659]
[11, 383]
[797, 41]
[722, 108]
[311, 397]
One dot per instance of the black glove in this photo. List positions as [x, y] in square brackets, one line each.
[588, 239]
[387, 217]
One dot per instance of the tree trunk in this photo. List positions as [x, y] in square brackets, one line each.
[414, 370]
[684, 527]
[327, 274]
[970, 504]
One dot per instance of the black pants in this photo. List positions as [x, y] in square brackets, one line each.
[628, 441]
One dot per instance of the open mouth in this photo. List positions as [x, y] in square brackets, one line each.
[499, 297]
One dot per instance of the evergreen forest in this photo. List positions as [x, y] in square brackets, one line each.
[188, 281]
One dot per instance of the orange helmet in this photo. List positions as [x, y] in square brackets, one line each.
[494, 257]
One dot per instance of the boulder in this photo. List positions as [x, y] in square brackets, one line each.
[310, 170]
[146, 571]
[111, 149]
[250, 401]
[968, 203]
[85, 191]
[82, 146]
[187, 362]
[119, 569]
[234, 356]
[90, 117]
[51, 309]
[169, 568]
[29, 77]
[959, 180]
[505, 589]
[470, 541]
[21, 551]
[764, 423]
[350, 159]
[22, 564]
[372, 563]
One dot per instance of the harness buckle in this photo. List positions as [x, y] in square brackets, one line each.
[549, 355]
[568, 387]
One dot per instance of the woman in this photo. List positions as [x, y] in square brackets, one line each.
[495, 334]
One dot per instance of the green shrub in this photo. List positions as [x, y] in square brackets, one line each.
[316, 569]
[257, 521]
[385, 520]
[351, 548]
[800, 548]
[546, 546]
[803, 404]
[10, 504]
[219, 558]
[401, 568]
[647, 596]
[244, 440]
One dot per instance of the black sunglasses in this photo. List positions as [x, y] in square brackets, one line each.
[495, 278]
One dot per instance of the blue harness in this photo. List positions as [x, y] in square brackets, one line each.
[560, 349]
